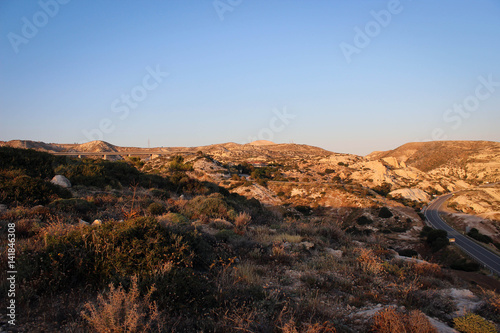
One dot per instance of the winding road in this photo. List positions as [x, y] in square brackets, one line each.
[482, 255]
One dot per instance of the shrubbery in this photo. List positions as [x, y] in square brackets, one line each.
[177, 164]
[156, 209]
[214, 206]
[437, 239]
[385, 213]
[363, 220]
[472, 323]
[78, 206]
[109, 253]
[32, 163]
[18, 188]
[474, 233]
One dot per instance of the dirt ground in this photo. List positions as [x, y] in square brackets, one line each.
[483, 281]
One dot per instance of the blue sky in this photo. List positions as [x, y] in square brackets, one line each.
[348, 76]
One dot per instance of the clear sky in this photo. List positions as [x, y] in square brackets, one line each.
[346, 75]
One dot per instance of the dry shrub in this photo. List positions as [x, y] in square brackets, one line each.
[241, 319]
[325, 327]
[248, 273]
[429, 269]
[241, 221]
[492, 301]
[369, 262]
[391, 321]
[122, 311]
[417, 322]
[289, 327]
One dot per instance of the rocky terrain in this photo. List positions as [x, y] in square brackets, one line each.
[260, 237]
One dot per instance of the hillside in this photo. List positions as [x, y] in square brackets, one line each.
[230, 237]
[470, 160]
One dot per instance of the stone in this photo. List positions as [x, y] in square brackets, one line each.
[335, 253]
[61, 181]
[307, 245]
[82, 222]
[97, 222]
[222, 224]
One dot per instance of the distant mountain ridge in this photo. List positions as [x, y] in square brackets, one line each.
[427, 156]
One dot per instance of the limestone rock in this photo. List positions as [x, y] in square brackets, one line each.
[307, 245]
[82, 222]
[335, 253]
[61, 181]
[414, 194]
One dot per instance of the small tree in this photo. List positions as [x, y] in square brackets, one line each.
[385, 213]
[437, 239]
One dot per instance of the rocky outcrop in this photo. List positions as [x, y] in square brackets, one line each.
[62, 181]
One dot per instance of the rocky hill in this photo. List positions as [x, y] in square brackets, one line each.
[239, 237]
[468, 160]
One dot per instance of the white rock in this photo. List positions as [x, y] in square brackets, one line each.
[440, 326]
[335, 253]
[61, 181]
[414, 194]
[97, 222]
[82, 222]
[307, 245]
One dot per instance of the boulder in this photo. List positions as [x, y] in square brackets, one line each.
[82, 222]
[61, 181]
[334, 253]
[307, 245]
[97, 222]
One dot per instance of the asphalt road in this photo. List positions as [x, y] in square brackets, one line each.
[489, 259]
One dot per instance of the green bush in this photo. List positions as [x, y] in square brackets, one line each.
[160, 194]
[437, 239]
[408, 253]
[33, 163]
[383, 189]
[474, 233]
[425, 231]
[17, 188]
[363, 220]
[156, 209]
[172, 218]
[385, 213]
[472, 323]
[227, 235]
[98, 255]
[74, 205]
[466, 265]
[99, 173]
[213, 206]
[177, 164]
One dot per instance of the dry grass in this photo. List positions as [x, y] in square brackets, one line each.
[369, 262]
[242, 221]
[248, 273]
[391, 321]
[122, 311]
